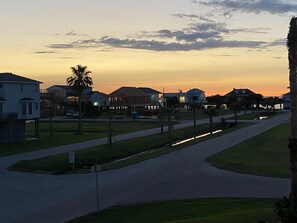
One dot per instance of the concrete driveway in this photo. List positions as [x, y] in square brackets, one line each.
[27, 197]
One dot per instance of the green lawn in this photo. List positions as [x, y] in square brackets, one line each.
[106, 154]
[200, 114]
[265, 154]
[256, 114]
[64, 133]
[216, 210]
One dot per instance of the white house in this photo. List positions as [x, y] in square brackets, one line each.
[19, 101]
[196, 96]
[98, 98]
[286, 101]
[192, 97]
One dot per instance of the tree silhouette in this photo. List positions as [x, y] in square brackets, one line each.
[79, 80]
[292, 57]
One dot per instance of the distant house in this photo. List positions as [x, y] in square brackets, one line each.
[66, 98]
[65, 92]
[130, 97]
[19, 101]
[286, 101]
[97, 98]
[196, 96]
[192, 97]
[239, 94]
[155, 95]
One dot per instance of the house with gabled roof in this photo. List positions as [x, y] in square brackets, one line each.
[155, 95]
[19, 102]
[239, 93]
[97, 98]
[129, 97]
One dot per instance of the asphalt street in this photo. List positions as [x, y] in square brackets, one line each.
[32, 197]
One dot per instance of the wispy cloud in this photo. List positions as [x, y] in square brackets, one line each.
[251, 6]
[192, 17]
[45, 52]
[197, 36]
[72, 33]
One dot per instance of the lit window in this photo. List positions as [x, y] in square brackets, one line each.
[182, 99]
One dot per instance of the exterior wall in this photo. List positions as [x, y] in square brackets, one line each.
[197, 93]
[58, 91]
[101, 99]
[286, 101]
[186, 98]
[12, 131]
[13, 93]
[131, 101]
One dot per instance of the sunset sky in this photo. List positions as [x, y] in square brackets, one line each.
[213, 45]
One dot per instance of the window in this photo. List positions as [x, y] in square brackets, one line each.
[36, 105]
[182, 99]
[36, 88]
[1, 108]
[24, 108]
[30, 108]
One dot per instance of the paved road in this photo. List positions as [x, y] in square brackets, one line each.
[182, 174]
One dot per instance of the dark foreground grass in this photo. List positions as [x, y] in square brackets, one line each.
[64, 133]
[109, 156]
[215, 210]
[265, 154]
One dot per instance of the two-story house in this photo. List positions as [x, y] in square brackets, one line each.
[193, 97]
[19, 101]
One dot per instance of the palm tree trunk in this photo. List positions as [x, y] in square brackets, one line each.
[211, 120]
[194, 116]
[79, 115]
[169, 130]
[162, 122]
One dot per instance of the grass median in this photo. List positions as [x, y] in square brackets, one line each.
[119, 154]
[215, 210]
[266, 154]
[64, 133]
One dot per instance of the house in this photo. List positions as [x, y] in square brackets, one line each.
[196, 96]
[66, 93]
[19, 102]
[181, 99]
[239, 94]
[66, 98]
[155, 95]
[97, 98]
[130, 97]
[286, 101]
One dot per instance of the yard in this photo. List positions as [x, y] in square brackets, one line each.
[266, 154]
[110, 156]
[63, 132]
[215, 210]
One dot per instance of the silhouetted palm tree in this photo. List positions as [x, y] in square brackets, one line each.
[79, 80]
[292, 57]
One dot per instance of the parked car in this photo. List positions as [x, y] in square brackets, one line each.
[72, 113]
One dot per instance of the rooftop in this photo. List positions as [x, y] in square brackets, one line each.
[10, 77]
